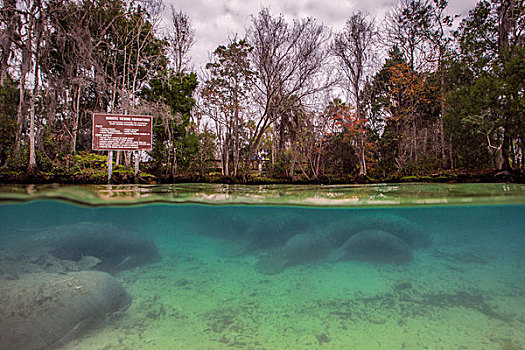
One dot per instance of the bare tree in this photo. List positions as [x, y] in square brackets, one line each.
[353, 48]
[406, 26]
[406, 30]
[437, 35]
[287, 59]
[37, 24]
[227, 86]
[128, 57]
[181, 38]
[32, 20]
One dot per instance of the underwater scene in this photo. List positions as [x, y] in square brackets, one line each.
[196, 267]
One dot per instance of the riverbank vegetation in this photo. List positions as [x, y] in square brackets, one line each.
[419, 95]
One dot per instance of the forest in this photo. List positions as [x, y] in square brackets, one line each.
[418, 93]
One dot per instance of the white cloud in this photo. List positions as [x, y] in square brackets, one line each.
[215, 21]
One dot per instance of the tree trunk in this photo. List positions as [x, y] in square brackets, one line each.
[76, 118]
[20, 119]
[37, 28]
[127, 158]
[255, 140]
[318, 161]
[505, 164]
[414, 141]
[441, 117]
[167, 126]
[220, 145]
[425, 142]
[273, 147]
[51, 102]
[362, 160]
[236, 136]
[226, 161]
[175, 165]
[31, 169]
[450, 153]
[399, 139]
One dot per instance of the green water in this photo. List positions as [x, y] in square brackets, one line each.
[463, 288]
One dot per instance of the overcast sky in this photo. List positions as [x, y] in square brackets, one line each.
[216, 20]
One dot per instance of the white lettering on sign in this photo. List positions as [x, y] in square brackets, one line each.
[121, 132]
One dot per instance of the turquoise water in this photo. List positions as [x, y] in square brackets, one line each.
[298, 277]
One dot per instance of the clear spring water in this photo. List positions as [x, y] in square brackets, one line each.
[463, 289]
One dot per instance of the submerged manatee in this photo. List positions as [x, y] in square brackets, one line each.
[374, 246]
[265, 233]
[105, 247]
[411, 233]
[301, 248]
[47, 310]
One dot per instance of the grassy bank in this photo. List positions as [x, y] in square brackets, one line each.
[122, 175]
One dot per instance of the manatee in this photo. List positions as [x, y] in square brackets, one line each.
[411, 233]
[47, 310]
[264, 233]
[374, 246]
[301, 248]
[104, 247]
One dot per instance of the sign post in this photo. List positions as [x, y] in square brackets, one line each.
[137, 161]
[110, 165]
[118, 132]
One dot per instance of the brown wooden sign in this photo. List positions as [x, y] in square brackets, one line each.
[117, 132]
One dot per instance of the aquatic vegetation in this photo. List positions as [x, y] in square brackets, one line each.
[509, 345]
[233, 326]
[323, 338]
[406, 303]
[475, 301]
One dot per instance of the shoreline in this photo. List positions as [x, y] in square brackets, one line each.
[126, 178]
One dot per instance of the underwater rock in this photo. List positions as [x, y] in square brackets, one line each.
[265, 233]
[47, 310]
[301, 248]
[411, 233]
[374, 246]
[104, 247]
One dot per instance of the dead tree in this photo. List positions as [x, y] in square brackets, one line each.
[353, 48]
[180, 38]
[288, 59]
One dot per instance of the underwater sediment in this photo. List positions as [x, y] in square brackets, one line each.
[272, 277]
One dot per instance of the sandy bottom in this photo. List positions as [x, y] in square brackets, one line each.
[447, 298]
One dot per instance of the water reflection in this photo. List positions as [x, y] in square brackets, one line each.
[304, 195]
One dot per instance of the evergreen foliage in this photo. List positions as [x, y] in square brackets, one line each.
[268, 102]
